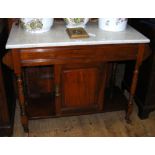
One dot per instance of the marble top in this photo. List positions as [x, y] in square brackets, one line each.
[57, 36]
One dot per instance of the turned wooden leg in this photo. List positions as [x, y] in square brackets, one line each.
[134, 82]
[129, 110]
[132, 93]
[24, 117]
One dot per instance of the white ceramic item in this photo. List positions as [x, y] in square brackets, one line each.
[76, 22]
[112, 24]
[36, 25]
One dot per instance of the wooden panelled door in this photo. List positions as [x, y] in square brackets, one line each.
[80, 88]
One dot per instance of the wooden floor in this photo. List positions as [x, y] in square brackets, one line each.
[110, 124]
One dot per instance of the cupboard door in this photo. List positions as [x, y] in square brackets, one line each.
[81, 88]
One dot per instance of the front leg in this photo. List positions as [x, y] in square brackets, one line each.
[139, 60]
[24, 117]
[132, 93]
[129, 110]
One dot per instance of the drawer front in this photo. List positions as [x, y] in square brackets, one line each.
[78, 54]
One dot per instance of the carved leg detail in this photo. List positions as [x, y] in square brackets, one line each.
[24, 118]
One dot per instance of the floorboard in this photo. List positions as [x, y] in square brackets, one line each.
[109, 124]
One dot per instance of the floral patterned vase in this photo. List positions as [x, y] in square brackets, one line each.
[36, 25]
[112, 24]
[75, 22]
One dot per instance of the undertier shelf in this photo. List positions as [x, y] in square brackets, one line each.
[44, 105]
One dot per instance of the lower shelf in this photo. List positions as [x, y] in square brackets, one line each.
[44, 106]
[41, 107]
[115, 100]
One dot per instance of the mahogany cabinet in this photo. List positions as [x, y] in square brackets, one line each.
[70, 86]
[64, 80]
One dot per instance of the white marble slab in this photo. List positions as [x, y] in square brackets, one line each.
[57, 36]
